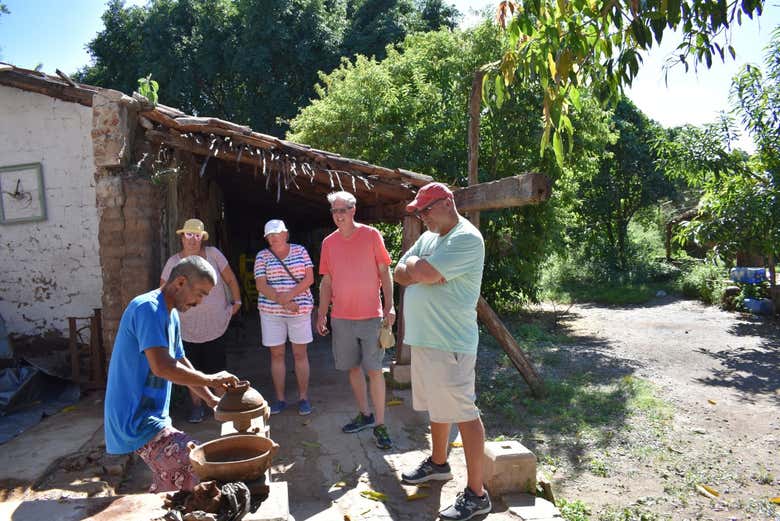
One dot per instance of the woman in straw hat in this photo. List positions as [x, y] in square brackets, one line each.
[203, 325]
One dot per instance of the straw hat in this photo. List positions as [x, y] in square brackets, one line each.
[194, 226]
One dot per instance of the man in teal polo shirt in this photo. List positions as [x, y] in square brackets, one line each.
[442, 273]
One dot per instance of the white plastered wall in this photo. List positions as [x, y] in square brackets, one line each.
[50, 270]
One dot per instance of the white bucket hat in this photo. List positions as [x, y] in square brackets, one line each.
[274, 226]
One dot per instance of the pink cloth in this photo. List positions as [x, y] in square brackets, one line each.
[353, 266]
[168, 457]
[208, 320]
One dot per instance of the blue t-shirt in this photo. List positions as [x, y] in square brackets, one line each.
[137, 401]
[444, 316]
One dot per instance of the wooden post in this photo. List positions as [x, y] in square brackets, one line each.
[496, 328]
[73, 346]
[412, 231]
[475, 104]
[101, 350]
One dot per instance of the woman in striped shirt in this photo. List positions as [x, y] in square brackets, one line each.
[283, 275]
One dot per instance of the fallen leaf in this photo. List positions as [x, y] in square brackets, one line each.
[310, 444]
[712, 402]
[418, 495]
[456, 444]
[69, 408]
[711, 490]
[373, 495]
[704, 492]
[775, 500]
[347, 518]
[395, 401]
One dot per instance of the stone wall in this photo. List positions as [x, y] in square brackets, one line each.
[50, 270]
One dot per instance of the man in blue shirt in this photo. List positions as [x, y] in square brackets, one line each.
[442, 273]
[148, 355]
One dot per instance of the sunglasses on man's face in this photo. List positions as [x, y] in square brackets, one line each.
[193, 235]
[341, 210]
[423, 212]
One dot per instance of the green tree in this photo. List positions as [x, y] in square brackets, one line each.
[567, 45]
[249, 61]
[627, 180]
[410, 110]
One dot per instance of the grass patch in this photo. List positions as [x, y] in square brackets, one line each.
[614, 294]
[632, 513]
[574, 510]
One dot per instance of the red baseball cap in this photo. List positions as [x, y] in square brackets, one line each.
[428, 194]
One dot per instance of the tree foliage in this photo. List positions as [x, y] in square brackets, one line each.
[627, 179]
[410, 110]
[250, 61]
[566, 45]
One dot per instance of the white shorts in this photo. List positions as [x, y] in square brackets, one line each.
[277, 329]
[443, 385]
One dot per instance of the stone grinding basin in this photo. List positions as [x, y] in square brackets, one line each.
[239, 457]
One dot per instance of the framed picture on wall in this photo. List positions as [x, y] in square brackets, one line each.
[22, 197]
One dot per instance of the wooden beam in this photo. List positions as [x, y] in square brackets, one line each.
[493, 323]
[509, 192]
[47, 86]
[475, 104]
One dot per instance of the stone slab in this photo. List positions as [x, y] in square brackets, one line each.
[27, 457]
[401, 374]
[135, 507]
[526, 507]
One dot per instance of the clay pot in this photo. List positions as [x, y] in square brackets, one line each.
[240, 457]
[240, 397]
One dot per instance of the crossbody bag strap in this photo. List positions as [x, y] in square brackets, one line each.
[284, 265]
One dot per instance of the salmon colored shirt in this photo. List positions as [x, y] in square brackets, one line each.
[353, 266]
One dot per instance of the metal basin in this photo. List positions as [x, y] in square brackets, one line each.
[240, 457]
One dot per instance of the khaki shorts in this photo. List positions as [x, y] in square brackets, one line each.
[356, 343]
[443, 385]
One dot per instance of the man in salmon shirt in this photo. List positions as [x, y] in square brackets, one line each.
[354, 265]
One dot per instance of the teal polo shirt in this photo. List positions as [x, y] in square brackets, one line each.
[444, 316]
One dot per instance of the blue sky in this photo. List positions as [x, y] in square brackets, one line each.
[55, 32]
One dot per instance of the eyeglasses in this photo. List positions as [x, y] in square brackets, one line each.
[193, 235]
[423, 212]
[341, 210]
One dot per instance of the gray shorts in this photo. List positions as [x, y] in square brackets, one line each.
[356, 342]
[443, 385]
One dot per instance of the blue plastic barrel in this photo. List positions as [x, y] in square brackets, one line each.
[759, 306]
[748, 275]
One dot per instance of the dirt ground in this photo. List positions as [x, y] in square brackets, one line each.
[719, 372]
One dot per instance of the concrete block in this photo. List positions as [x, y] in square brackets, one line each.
[526, 507]
[509, 467]
[402, 374]
[275, 508]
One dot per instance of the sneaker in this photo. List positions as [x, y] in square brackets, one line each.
[304, 407]
[196, 414]
[359, 422]
[467, 505]
[426, 471]
[278, 406]
[382, 438]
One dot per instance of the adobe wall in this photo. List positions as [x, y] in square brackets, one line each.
[129, 207]
[50, 269]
